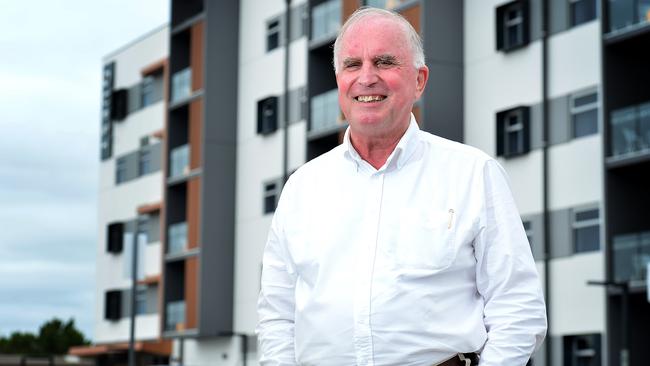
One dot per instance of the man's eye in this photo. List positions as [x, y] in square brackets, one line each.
[351, 65]
[385, 63]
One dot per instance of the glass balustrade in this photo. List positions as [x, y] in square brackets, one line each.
[177, 238]
[628, 13]
[630, 130]
[325, 19]
[181, 84]
[179, 161]
[175, 319]
[631, 256]
[325, 111]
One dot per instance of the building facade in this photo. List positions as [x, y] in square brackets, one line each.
[129, 250]
[555, 89]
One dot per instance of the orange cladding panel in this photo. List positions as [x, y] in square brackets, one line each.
[191, 294]
[196, 55]
[195, 131]
[193, 212]
[412, 14]
[349, 6]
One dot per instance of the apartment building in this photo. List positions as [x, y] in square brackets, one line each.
[129, 250]
[555, 89]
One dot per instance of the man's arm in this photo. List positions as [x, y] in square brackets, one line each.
[275, 307]
[506, 277]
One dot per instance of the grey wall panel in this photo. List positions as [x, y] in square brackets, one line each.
[442, 30]
[298, 21]
[126, 303]
[535, 9]
[539, 357]
[560, 229]
[156, 156]
[558, 16]
[135, 98]
[152, 300]
[153, 228]
[536, 127]
[217, 223]
[557, 349]
[560, 128]
[537, 240]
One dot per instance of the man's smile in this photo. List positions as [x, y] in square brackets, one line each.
[370, 98]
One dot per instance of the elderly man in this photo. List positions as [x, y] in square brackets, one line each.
[397, 247]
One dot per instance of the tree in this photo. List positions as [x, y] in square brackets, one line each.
[54, 338]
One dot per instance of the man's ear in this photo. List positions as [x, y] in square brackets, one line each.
[421, 81]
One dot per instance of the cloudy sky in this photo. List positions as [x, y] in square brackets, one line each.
[50, 72]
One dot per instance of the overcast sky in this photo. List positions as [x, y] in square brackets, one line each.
[50, 70]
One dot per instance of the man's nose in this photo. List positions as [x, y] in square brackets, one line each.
[367, 75]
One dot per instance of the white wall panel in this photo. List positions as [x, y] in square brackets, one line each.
[127, 134]
[577, 308]
[525, 173]
[575, 172]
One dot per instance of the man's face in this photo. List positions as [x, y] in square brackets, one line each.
[377, 81]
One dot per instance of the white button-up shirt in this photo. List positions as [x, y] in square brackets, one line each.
[408, 264]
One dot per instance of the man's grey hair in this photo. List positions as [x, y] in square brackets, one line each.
[412, 36]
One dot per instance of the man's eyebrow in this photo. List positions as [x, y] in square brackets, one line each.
[350, 61]
[386, 59]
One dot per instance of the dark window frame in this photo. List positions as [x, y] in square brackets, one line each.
[271, 193]
[582, 348]
[588, 6]
[267, 115]
[113, 305]
[273, 34]
[520, 129]
[120, 170]
[520, 24]
[115, 237]
[144, 162]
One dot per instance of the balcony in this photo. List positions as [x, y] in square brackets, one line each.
[625, 15]
[325, 113]
[177, 238]
[175, 316]
[631, 257]
[630, 131]
[325, 20]
[181, 84]
[179, 161]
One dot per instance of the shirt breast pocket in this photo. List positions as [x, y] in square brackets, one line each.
[426, 239]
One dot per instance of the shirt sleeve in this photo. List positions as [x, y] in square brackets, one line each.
[506, 277]
[275, 307]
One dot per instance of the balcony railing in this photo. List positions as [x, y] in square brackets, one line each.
[631, 256]
[628, 13]
[175, 319]
[325, 19]
[179, 161]
[630, 130]
[181, 84]
[325, 111]
[177, 238]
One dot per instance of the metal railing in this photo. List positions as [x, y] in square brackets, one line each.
[175, 319]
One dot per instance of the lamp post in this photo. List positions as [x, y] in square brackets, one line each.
[624, 287]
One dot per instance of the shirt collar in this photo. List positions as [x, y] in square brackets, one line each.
[403, 151]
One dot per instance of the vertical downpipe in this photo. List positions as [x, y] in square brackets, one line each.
[545, 145]
[287, 42]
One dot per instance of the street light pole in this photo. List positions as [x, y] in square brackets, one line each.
[623, 286]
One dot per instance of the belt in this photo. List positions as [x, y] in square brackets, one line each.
[461, 359]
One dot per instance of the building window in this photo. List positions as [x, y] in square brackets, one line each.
[513, 132]
[144, 162]
[271, 195]
[273, 35]
[267, 115]
[119, 104]
[152, 89]
[113, 305]
[584, 114]
[115, 237]
[120, 170]
[512, 25]
[325, 19]
[582, 350]
[141, 300]
[586, 230]
[582, 11]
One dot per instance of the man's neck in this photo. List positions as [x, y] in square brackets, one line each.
[375, 149]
